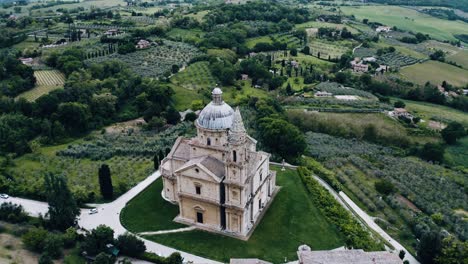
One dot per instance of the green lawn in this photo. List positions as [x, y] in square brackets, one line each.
[461, 58]
[438, 112]
[409, 19]
[458, 154]
[158, 213]
[291, 220]
[435, 72]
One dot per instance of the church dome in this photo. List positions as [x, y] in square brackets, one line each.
[217, 114]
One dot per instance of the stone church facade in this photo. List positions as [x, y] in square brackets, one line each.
[218, 178]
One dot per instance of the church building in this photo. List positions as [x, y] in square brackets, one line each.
[218, 178]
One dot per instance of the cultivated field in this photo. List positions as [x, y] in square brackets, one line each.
[428, 111]
[324, 50]
[410, 20]
[435, 72]
[46, 81]
[195, 76]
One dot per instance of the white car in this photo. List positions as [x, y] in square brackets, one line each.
[93, 211]
[4, 196]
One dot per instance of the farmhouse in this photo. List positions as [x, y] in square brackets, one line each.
[401, 112]
[383, 29]
[143, 44]
[355, 256]
[26, 61]
[218, 178]
[358, 66]
[244, 77]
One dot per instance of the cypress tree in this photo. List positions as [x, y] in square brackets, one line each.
[105, 182]
[156, 162]
[161, 154]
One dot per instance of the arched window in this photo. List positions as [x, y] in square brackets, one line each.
[234, 156]
[208, 141]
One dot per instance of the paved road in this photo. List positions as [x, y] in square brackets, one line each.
[109, 215]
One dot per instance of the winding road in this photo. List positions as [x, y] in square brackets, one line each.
[109, 215]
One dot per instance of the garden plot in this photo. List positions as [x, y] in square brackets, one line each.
[195, 76]
[46, 81]
[155, 61]
[396, 59]
[338, 89]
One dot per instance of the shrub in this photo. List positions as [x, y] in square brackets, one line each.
[12, 213]
[35, 238]
[97, 240]
[45, 259]
[432, 152]
[399, 104]
[53, 246]
[327, 175]
[356, 236]
[453, 132]
[103, 258]
[174, 258]
[130, 245]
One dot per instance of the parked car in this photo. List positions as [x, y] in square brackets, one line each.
[93, 211]
[4, 196]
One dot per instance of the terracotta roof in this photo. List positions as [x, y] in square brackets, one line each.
[356, 256]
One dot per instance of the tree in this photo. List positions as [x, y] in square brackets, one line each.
[156, 162]
[130, 245]
[62, 206]
[306, 50]
[289, 90]
[175, 68]
[96, 241]
[293, 52]
[384, 187]
[105, 182]
[172, 116]
[280, 136]
[190, 117]
[103, 258]
[402, 254]
[432, 152]
[429, 247]
[74, 116]
[453, 132]
[399, 104]
[453, 251]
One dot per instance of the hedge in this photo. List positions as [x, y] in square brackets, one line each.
[355, 235]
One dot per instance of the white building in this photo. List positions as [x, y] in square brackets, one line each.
[218, 178]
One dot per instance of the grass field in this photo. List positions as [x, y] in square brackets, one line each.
[186, 35]
[429, 111]
[291, 220]
[435, 72]
[408, 19]
[47, 81]
[290, 40]
[458, 154]
[461, 58]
